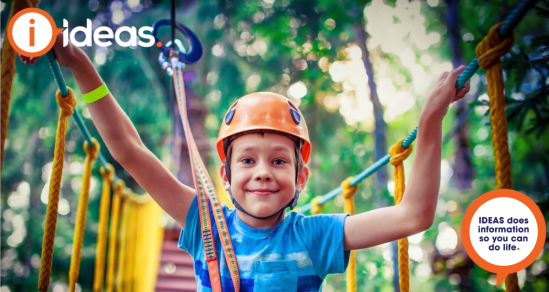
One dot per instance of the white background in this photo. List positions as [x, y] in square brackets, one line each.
[42, 32]
[504, 207]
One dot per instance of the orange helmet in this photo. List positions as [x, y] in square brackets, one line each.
[264, 111]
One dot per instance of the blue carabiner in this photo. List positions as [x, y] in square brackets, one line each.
[195, 51]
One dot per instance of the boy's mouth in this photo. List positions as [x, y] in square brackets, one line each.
[262, 192]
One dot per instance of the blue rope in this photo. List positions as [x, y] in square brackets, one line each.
[504, 31]
[62, 85]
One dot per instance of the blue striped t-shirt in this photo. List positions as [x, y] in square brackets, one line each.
[296, 257]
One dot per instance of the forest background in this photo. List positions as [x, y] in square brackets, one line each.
[360, 72]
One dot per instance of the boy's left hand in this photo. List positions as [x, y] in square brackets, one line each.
[444, 93]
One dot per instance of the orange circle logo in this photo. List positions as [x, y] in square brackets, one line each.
[32, 32]
[503, 232]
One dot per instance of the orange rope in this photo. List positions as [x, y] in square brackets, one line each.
[8, 71]
[398, 154]
[348, 193]
[118, 190]
[101, 249]
[91, 155]
[67, 105]
[489, 52]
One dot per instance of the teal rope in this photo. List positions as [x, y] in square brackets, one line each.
[364, 174]
[62, 85]
[505, 30]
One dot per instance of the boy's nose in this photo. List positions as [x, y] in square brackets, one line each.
[263, 174]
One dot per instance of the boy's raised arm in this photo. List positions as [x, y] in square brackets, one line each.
[122, 139]
[416, 211]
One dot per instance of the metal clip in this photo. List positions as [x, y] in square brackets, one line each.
[174, 62]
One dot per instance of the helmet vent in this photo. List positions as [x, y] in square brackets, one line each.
[295, 114]
[230, 115]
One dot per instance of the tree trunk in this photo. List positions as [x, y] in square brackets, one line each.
[463, 168]
[379, 137]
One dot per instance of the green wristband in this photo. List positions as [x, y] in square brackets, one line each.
[96, 94]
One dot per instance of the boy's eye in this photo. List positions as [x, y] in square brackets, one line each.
[247, 160]
[279, 161]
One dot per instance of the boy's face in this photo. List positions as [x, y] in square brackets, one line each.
[263, 178]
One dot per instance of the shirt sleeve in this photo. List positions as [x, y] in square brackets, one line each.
[323, 238]
[190, 237]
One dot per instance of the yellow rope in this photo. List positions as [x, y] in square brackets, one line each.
[118, 191]
[398, 154]
[132, 267]
[348, 193]
[315, 207]
[489, 52]
[8, 71]
[108, 176]
[91, 155]
[141, 237]
[67, 106]
[120, 280]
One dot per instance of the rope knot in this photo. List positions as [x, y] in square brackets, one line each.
[92, 150]
[66, 103]
[492, 47]
[107, 174]
[348, 191]
[315, 207]
[399, 153]
[119, 186]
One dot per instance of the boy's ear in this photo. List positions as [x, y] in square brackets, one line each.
[223, 176]
[302, 178]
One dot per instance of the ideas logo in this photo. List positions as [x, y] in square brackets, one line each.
[32, 33]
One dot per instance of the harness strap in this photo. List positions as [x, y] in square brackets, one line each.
[206, 192]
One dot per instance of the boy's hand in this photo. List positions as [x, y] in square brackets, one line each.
[444, 93]
[63, 55]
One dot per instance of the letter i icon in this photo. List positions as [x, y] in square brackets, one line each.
[31, 33]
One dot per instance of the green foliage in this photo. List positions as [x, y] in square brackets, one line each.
[269, 46]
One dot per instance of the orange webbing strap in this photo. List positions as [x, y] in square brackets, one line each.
[206, 191]
[398, 154]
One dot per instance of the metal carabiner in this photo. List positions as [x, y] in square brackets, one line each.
[174, 61]
[195, 50]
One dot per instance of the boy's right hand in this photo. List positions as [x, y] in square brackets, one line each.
[63, 55]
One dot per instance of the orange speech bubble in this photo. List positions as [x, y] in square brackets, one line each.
[502, 270]
[31, 33]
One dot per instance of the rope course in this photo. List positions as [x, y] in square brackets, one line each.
[134, 212]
